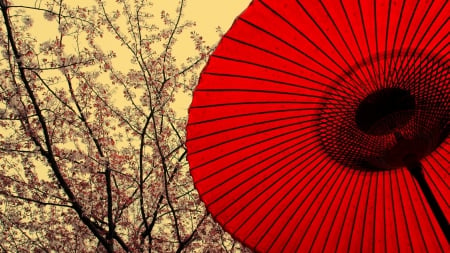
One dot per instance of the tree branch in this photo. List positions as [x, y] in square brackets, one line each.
[170, 41]
[48, 154]
[38, 202]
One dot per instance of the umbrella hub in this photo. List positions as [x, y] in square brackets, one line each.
[385, 110]
[403, 152]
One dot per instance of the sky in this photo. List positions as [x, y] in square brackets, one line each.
[208, 15]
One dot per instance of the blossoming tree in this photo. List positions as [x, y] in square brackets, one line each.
[92, 154]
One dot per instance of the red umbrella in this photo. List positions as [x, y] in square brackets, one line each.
[323, 126]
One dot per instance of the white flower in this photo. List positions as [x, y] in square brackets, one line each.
[49, 15]
[16, 105]
[45, 46]
[27, 21]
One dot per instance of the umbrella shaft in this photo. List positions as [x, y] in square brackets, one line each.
[416, 171]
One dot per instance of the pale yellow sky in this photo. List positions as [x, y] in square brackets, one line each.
[210, 13]
[207, 14]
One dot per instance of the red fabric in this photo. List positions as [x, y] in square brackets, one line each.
[271, 140]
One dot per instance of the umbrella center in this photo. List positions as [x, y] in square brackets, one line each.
[385, 110]
[377, 121]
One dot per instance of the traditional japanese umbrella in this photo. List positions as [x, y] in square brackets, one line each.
[323, 126]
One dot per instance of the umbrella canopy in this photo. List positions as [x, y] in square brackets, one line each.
[323, 126]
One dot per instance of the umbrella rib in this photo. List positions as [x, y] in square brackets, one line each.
[422, 78]
[293, 47]
[426, 73]
[342, 173]
[233, 116]
[432, 58]
[288, 73]
[409, 79]
[442, 156]
[367, 43]
[404, 37]
[260, 91]
[432, 156]
[403, 212]
[306, 37]
[250, 145]
[347, 209]
[417, 27]
[323, 33]
[252, 124]
[296, 63]
[442, 26]
[252, 103]
[292, 169]
[414, 209]
[377, 47]
[270, 91]
[356, 41]
[433, 183]
[323, 166]
[431, 77]
[345, 43]
[364, 220]
[354, 221]
[396, 35]
[279, 56]
[423, 36]
[355, 214]
[285, 157]
[300, 204]
[375, 201]
[384, 199]
[416, 170]
[394, 213]
[425, 206]
[386, 42]
[251, 134]
[395, 39]
[345, 190]
[244, 136]
[261, 161]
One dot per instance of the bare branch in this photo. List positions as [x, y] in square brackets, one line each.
[38, 202]
[169, 42]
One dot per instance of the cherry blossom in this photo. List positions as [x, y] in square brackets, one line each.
[92, 153]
